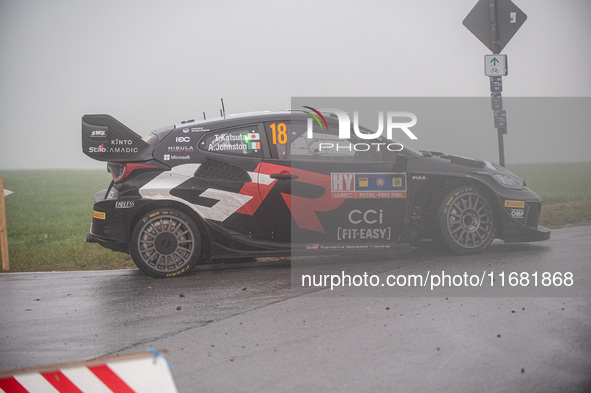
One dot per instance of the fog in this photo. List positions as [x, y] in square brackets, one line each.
[153, 63]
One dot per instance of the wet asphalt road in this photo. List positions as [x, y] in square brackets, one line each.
[245, 328]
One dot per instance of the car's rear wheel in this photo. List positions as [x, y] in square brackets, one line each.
[466, 220]
[165, 243]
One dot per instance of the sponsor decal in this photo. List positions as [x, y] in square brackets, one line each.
[345, 246]
[182, 139]
[98, 134]
[102, 149]
[331, 247]
[99, 149]
[195, 129]
[364, 246]
[419, 177]
[168, 157]
[363, 233]
[124, 204]
[99, 215]
[180, 149]
[368, 185]
[121, 142]
[517, 204]
[517, 213]
[369, 217]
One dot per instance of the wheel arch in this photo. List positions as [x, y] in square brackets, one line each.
[432, 195]
[167, 203]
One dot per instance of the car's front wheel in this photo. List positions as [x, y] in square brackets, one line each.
[165, 243]
[466, 220]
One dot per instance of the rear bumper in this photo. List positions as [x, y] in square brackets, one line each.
[111, 244]
[110, 226]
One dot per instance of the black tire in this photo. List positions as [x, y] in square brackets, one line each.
[165, 243]
[466, 220]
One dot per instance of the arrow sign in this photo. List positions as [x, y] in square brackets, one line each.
[7, 192]
[495, 65]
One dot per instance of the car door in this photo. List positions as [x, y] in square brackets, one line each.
[330, 193]
[228, 180]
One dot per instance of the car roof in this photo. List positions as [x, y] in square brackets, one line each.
[246, 117]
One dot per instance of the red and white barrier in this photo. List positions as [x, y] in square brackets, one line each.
[144, 372]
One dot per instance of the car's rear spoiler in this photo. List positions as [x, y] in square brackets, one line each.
[106, 139]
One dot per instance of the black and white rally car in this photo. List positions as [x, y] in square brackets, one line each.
[265, 184]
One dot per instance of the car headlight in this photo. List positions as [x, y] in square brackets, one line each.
[508, 181]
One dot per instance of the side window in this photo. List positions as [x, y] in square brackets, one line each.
[290, 140]
[243, 141]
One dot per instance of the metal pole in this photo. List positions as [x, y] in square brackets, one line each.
[495, 47]
[3, 232]
[493, 26]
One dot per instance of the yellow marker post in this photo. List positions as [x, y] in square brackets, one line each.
[3, 231]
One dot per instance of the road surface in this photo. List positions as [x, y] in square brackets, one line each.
[247, 327]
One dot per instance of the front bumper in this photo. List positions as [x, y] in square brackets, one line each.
[520, 234]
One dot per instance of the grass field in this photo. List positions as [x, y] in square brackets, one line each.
[565, 189]
[50, 212]
[48, 217]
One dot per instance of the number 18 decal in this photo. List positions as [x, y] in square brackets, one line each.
[279, 133]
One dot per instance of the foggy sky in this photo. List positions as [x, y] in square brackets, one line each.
[153, 63]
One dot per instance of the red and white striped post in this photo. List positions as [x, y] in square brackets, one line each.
[144, 372]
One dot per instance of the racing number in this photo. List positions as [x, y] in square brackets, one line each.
[279, 133]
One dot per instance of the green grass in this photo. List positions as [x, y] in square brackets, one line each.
[48, 217]
[50, 212]
[557, 183]
[565, 189]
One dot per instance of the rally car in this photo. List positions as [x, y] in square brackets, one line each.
[280, 183]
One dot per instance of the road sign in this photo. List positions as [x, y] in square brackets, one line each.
[495, 65]
[509, 19]
[496, 84]
[496, 101]
[501, 120]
